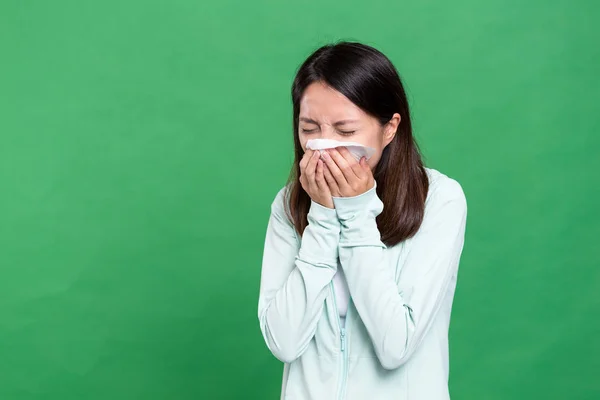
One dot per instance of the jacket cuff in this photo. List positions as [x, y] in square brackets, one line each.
[321, 237]
[366, 204]
[357, 217]
[323, 216]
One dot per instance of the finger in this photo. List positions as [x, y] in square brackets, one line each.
[305, 159]
[336, 172]
[343, 165]
[302, 180]
[367, 171]
[365, 166]
[333, 186]
[311, 169]
[320, 178]
[352, 162]
[311, 166]
[304, 163]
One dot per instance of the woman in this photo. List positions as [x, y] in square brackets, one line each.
[361, 257]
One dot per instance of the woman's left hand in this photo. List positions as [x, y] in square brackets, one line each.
[345, 176]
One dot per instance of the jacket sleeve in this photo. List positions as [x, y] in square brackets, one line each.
[397, 315]
[295, 278]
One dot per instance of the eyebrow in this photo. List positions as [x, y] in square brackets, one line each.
[338, 123]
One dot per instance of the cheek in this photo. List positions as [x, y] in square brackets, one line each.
[303, 143]
[374, 160]
[377, 142]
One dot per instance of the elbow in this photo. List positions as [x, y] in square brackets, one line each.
[396, 350]
[285, 351]
[285, 355]
[282, 346]
[398, 344]
[393, 361]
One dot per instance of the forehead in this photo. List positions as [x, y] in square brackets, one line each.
[322, 101]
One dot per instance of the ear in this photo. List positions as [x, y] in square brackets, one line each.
[390, 128]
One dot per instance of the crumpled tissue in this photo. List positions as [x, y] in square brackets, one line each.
[356, 149]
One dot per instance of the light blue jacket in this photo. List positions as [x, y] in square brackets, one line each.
[395, 341]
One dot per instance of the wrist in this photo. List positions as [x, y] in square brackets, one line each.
[319, 212]
[367, 203]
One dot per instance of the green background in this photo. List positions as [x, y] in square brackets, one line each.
[142, 142]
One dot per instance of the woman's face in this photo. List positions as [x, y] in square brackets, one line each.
[325, 113]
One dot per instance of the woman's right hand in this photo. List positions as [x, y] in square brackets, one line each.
[313, 180]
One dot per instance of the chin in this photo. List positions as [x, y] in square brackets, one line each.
[373, 163]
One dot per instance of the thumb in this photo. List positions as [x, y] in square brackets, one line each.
[363, 163]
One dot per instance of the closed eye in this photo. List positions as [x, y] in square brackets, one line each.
[343, 133]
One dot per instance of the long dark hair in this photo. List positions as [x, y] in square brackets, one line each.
[367, 78]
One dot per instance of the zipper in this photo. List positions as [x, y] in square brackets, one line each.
[343, 347]
[345, 350]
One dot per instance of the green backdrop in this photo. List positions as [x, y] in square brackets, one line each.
[142, 142]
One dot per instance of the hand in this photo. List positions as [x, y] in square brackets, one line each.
[345, 176]
[312, 179]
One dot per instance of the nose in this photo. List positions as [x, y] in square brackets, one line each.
[327, 132]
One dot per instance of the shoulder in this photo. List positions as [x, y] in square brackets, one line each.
[281, 201]
[444, 190]
[281, 196]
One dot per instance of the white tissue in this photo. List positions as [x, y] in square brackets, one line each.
[356, 149]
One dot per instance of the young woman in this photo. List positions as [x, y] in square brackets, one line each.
[361, 257]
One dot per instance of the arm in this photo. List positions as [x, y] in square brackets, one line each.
[398, 315]
[294, 281]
